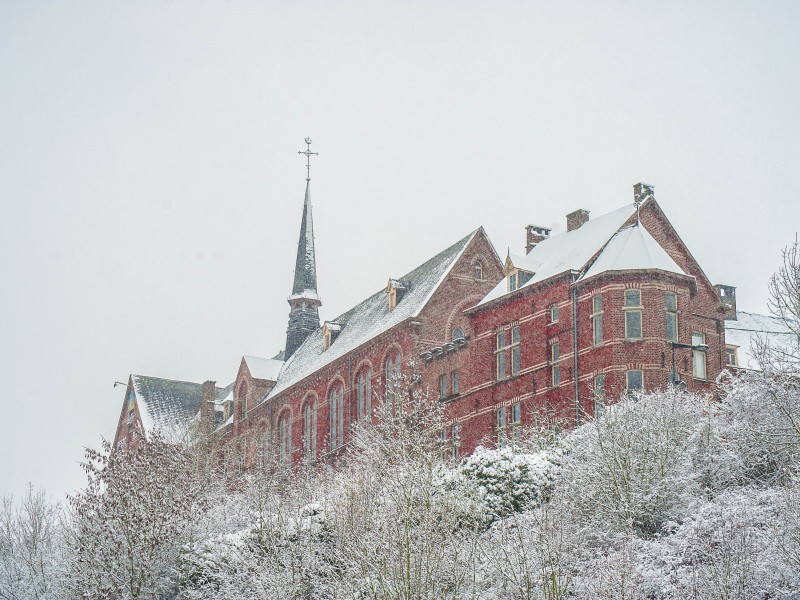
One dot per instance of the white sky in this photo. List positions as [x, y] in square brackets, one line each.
[151, 192]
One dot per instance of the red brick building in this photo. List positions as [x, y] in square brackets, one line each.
[605, 307]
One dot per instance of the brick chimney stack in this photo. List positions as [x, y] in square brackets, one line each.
[576, 219]
[535, 235]
[641, 191]
[727, 300]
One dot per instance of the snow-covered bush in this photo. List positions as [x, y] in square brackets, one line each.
[505, 481]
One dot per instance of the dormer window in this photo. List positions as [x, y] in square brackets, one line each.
[395, 290]
[330, 331]
[516, 277]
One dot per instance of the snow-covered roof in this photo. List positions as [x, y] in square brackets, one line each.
[264, 368]
[567, 251]
[371, 317]
[633, 248]
[748, 328]
[169, 406]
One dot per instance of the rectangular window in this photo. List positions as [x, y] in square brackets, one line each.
[671, 306]
[599, 393]
[516, 421]
[554, 313]
[501, 426]
[455, 439]
[597, 320]
[731, 358]
[633, 314]
[442, 386]
[698, 356]
[634, 381]
[515, 353]
[555, 356]
[454, 382]
[512, 282]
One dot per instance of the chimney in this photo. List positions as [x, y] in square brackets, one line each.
[641, 191]
[576, 219]
[207, 407]
[727, 299]
[535, 235]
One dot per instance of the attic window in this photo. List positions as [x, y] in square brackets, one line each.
[478, 270]
[330, 331]
[395, 290]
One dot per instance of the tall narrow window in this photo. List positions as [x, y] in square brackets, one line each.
[501, 355]
[698, 356]
[336, 408]
[309, 431]
[671, 306]
[512, 282]
[634, 381]
[633, 314]
[501, 426]
[393, 378]
[515, 351]
[454, 382]
[265, 442]
[597, 320]
[243, 398]
[455, 439]
[478, 270]
[516, 421]
[554, 313]
[364, 394]
[285, 440]
[443, 385]
[555, 356]
[599, 393]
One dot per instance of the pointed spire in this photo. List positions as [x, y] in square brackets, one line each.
[304, 301]
[305, 268]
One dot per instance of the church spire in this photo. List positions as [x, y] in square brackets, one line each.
[304, 301]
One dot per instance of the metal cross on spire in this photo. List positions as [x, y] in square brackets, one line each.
[308, 154]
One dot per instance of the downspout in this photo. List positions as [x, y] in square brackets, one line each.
[575, 350]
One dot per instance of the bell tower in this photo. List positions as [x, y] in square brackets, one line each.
[304, 301]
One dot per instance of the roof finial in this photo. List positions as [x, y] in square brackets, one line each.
[308, 154]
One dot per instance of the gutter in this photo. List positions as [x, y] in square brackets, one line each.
[575, 348]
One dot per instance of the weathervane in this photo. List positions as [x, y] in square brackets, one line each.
[308, 154]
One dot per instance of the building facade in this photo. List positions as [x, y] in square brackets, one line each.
[614, 305]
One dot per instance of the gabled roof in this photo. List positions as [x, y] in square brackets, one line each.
[263, 368]
[568, 251]
[633, 248]
[749, 328]
[169, 406]
[372, 317]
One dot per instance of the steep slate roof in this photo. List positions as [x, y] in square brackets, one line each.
[567, 251]
[372, 317]
[633, 248]
[169, 406]
[748, 328]
[264, 368]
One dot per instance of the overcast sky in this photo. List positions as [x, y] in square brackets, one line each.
[151, 189]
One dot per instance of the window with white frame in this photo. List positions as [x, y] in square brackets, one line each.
[336, 414]
[512, 281]
[671, 307]
[554, 313]
[364, 394]
[698, 356]
[633, 314]
[507, 353]
[309, 431]
[597, 320]
[501, 426]
[455, 439]
[634, 381]
[555, 356]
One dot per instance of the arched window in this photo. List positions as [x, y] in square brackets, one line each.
[336, 412]
[265, 455]
[364, 394]
[243, 398]
[285, 439]
[458, 333]
[310, 431]
[393, 378]
[478, 270]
